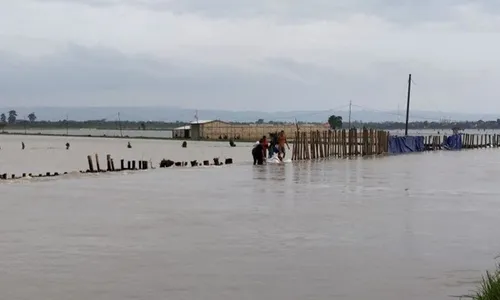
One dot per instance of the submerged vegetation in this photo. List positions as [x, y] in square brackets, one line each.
[489, 288]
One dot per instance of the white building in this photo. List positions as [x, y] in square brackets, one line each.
[183, 132]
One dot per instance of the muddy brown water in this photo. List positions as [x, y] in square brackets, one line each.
[421, 226]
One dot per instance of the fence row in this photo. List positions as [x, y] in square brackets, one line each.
[339, 143]
[353, 142]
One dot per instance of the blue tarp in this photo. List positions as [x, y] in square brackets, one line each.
[406, 144]
[453, 142]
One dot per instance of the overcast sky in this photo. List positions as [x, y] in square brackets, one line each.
[251, 54]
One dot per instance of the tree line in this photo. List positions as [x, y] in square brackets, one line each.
[335, 122]
[11, 117]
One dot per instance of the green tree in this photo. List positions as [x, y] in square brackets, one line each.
[335, 121]
[3, 118]
[12, 117]
[260, 121]
[32, 117]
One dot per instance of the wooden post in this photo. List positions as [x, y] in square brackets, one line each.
[122, 164]
[354, 142]
[129, 165]
[91, 165]
[306, 145]
[316, 144]
[133, 165]
[364, 140]
[108, 162]
[325, 143]
[387, 136]
[311, 145]
[329, 143]
[349, 142]
[320, 144]
[338, 139]
[334, 146]
[344, 143]
[112, 165]
[97, 163]
[380, 140]
[359, 144]
[298, 144]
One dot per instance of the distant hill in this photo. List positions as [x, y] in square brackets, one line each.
[181, 114]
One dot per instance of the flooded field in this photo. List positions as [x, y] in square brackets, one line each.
[167, 134]
[49, 154]
[419, 226]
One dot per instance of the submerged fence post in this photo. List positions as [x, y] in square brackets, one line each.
[97, 163]
[91, 165]
[108, 163]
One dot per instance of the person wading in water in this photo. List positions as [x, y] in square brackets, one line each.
[265, 145]
[258, 153]
[281, 145]
[273, 144]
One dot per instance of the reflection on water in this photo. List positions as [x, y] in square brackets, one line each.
[405, 227]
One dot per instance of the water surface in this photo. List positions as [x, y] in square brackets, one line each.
[420, 226]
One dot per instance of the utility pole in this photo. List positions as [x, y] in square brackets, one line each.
[408, 105]
[120, 124]
[67, 125]
[350, 110]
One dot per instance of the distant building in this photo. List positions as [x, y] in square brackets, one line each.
[208, 129]
[182, 132]
[220, 130]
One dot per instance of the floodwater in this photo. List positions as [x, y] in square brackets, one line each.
[419, 226]
[166, 133]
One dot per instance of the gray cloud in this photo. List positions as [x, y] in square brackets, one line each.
[83, 76]
[406, 11]
[234, 55]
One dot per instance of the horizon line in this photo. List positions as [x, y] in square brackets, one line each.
[243, 111]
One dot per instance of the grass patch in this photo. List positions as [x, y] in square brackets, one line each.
[489, 288]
